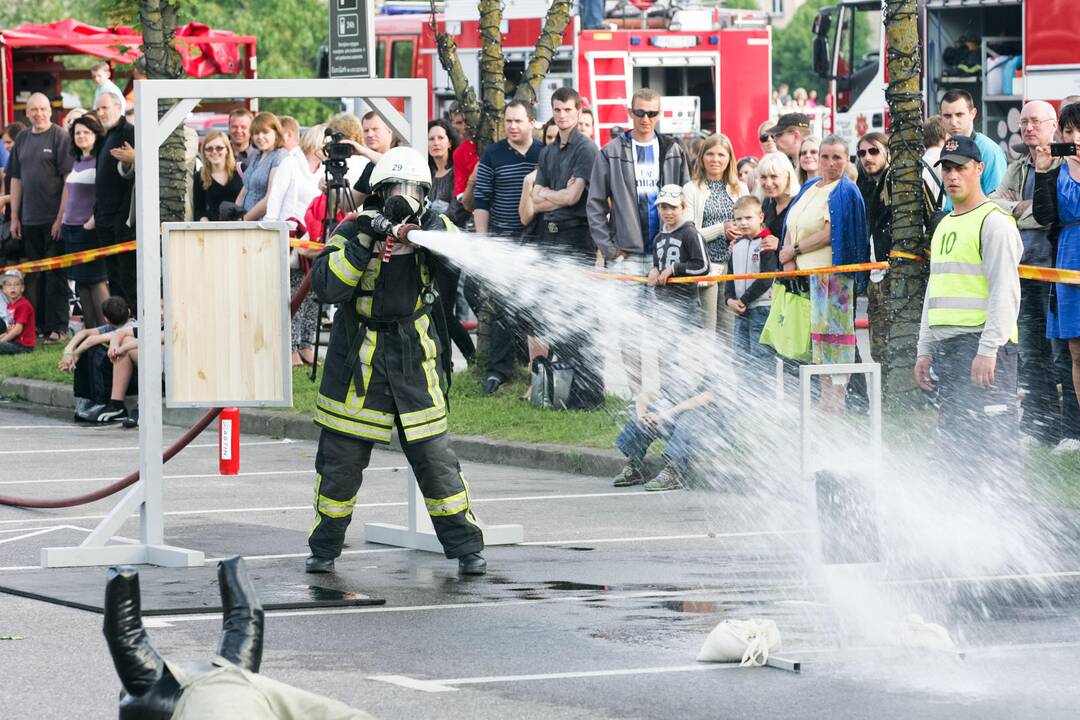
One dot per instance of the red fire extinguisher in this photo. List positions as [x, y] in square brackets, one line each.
[229, 441]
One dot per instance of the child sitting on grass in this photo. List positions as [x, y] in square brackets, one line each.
[18, 329]
[117, 312]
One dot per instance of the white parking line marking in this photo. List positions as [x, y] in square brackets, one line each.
[285, 556]
[193, 476]
[412, 683]
[220, 511]
[650, 538]
[448, 685]
[282, 441]
[35, 533]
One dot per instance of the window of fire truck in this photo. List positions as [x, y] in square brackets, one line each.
[380, 59]
[857, 63]
[401, 60]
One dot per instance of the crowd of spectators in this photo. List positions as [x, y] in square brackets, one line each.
[642, 203]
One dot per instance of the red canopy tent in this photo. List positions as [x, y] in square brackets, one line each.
[28, 55]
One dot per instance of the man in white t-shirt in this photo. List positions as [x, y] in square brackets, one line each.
[622, 222]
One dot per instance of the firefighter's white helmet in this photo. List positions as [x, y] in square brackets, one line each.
[401, 166]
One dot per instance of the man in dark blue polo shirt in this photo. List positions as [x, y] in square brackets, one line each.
[499, 178]
[562, 179]
[560, 193]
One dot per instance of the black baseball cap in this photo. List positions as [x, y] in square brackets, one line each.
[788, 121]
[960, 150]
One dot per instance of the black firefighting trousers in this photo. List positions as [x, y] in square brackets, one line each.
[339, 467]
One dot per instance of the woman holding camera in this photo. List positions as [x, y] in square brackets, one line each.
[1056, 204]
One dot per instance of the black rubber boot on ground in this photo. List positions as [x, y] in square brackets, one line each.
[316, 564]
[472, 564]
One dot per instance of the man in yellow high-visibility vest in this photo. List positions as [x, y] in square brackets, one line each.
[969, 320]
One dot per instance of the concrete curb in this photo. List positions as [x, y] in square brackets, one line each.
[561, 458]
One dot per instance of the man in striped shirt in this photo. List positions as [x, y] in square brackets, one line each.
[499, 180]
[502, 169]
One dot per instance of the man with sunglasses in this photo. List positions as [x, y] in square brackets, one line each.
[873, 155]
[1042, 419]
[626, 178]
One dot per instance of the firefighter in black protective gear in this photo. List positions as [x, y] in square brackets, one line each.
[385, 366]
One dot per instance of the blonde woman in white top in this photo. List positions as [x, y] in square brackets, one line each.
[710, 203]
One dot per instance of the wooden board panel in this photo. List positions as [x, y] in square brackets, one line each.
[227, 314]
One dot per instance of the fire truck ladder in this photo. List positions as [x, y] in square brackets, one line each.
[625, 77]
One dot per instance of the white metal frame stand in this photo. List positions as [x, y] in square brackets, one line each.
[419, 534]
[150, 131]
[806, 372]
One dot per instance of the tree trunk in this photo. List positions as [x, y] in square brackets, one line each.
[492, 75]
[909, 221]
[161, 61]
[549, 41]
[448, 58]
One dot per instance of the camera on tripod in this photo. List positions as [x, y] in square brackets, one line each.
[337, 154]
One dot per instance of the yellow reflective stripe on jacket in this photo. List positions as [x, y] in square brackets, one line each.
[355, 413]
[354, 428]
[431, 375]
[459, 502]
[420, 416]
[425, 431]
[345, 271]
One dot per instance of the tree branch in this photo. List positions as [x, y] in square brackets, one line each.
[451, 63]
[546, 45]
[492, 77]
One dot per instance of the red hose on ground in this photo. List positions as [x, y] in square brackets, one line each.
[129, 480]
[120, 484]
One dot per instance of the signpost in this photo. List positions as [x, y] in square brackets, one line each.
[352, 38]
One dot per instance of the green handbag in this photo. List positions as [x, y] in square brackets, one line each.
[788, 328]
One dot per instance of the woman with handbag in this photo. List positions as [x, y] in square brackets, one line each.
[826, 225]
[710, 204]
[217, 181]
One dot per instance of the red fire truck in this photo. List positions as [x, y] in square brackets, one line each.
[1003, 52]
[711, 67]
[31, 58]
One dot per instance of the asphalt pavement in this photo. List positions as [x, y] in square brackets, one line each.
[599, 614]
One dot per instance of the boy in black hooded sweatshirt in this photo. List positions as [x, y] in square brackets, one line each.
[678, 251]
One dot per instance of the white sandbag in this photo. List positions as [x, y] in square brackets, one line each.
[917, 633]
[747, 642]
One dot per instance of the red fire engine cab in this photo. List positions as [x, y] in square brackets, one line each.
[31, 59]
[711, 67]
[1003, 52]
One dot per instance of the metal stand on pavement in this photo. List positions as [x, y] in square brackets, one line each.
[151, 129]
[806, 372]
[419, 534]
